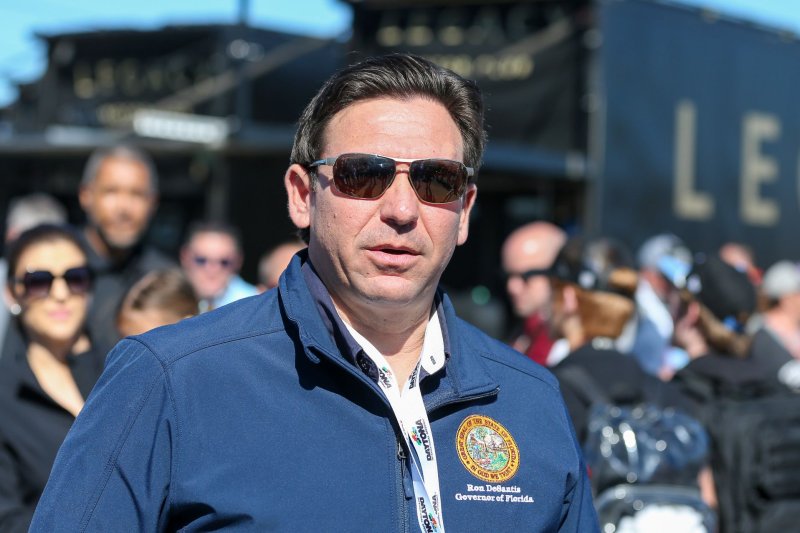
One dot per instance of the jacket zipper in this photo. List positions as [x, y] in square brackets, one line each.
[403, 506]
[401, 453]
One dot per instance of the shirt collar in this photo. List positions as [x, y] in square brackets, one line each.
[436, 338]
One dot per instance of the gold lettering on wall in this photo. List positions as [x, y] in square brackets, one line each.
[758, 168]
[687, 202]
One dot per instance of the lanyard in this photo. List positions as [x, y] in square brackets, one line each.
[409, 409]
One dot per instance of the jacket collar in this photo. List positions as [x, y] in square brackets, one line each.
[465, 374]
[85, 369]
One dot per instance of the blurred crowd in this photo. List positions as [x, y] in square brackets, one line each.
[72, 292]
[667, 327]
[704, 333]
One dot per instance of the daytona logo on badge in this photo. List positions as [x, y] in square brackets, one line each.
[487, 449]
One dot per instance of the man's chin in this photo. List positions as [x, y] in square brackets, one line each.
[121, 242]
[394, 293]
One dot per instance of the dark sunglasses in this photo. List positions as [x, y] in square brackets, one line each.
[202, 261]
[368, 176]
[528, 274]
[37, 284]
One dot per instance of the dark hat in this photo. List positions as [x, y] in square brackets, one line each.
[589, 265]
[725, 291]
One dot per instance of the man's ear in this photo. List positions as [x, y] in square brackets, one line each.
[466, 208]
[570, 297]
[151, 211]
[85, 197]
[185, 257]
[298, 183]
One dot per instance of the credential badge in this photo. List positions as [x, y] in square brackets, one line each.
[487, 449]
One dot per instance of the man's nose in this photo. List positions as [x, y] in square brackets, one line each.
[399, 204]
[513, 284]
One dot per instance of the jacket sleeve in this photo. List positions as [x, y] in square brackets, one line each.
[113, 471]
[15, 516]
[578, 512]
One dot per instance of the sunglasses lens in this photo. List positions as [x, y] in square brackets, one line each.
[362, 175]
[37, 284]
[79, 280]
[438, 181]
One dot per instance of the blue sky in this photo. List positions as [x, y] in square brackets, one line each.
[22, 56]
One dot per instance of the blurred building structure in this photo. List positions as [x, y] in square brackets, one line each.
[622, 117]
[214, 105]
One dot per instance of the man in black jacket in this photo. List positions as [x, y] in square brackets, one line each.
[119, 194]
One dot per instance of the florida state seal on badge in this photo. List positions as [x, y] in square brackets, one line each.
[487, 449]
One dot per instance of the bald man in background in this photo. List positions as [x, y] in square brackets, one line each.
[528, 253]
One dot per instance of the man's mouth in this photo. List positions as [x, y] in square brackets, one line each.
[395, 250]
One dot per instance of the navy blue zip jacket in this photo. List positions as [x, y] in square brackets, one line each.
[249, 418]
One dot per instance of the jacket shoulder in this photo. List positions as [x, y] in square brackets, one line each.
[233, 323]
[495, 352]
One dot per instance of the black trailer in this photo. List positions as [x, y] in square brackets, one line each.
[610, 117]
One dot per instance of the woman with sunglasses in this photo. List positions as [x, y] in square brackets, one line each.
[45, 379]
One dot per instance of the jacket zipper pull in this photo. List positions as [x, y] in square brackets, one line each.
[401, 452]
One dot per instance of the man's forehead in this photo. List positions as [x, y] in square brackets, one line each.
[116, 164]
[115, 168]
[530, 250]
[417, 112]
[212, 239]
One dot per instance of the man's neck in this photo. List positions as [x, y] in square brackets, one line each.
[397, 335]
[102, 248]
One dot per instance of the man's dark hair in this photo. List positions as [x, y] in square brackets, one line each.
[121, 151]
[400, 76]
[214, 226]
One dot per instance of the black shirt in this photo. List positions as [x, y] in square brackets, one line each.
[621, 381]
[716, 375]
[769, 352]
[32, 428]
[111, 283]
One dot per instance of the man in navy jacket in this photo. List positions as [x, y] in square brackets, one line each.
[351, 398]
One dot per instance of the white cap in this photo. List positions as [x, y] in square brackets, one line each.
[658, 246]
[781, 279]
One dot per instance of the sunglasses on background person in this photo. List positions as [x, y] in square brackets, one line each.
[203, 261]
[368, 176]
[37, 284]
[528, 274]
